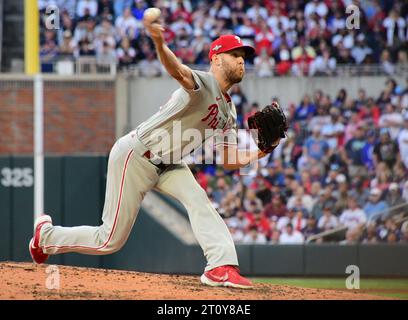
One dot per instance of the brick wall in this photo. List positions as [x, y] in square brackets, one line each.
[79, 117]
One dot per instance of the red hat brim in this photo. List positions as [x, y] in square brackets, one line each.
[249, 51]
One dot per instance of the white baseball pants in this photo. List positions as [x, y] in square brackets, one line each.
[130, 176]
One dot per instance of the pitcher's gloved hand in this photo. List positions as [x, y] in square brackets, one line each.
[271, 125]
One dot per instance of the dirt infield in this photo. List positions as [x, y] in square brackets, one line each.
[29, 281]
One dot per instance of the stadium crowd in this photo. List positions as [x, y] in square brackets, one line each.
[344, 163]
[291, 37]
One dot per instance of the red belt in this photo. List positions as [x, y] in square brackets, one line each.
[149, 155]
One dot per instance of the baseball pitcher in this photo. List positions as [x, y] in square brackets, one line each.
[136, 165]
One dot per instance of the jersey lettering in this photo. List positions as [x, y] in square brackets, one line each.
[214, 123]
[212, 115]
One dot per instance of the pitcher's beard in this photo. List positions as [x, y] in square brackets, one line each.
[233, 77]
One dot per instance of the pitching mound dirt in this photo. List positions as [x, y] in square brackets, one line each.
[29, 281]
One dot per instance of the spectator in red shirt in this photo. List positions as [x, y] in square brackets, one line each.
[169, 36]
[202, 179]
[263, 38]
[181, 12]
[276, 208]
[306, 181]
[302, 58]
[258, 219]
[370, 111]
[186, 55]
[284, 65]
[379, 15]
[299, 221]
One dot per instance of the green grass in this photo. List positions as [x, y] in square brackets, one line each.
[393, 288]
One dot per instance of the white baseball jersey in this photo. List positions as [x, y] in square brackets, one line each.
[189, 118]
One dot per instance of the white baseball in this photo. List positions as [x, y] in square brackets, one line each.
[152, 14]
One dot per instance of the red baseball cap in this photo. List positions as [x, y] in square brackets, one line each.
[229, 42]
